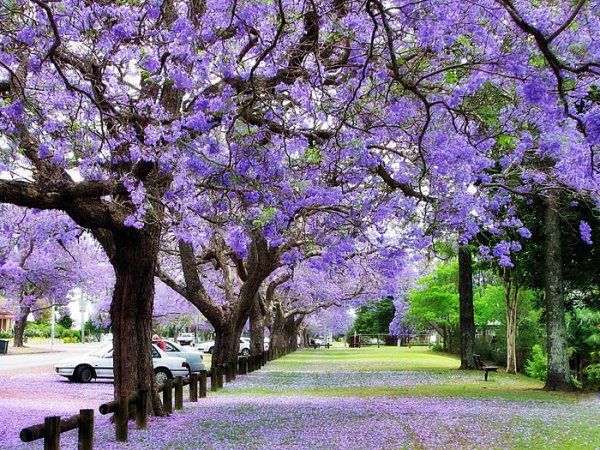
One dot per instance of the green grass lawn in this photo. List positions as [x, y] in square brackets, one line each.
[374, 399]
[419, 361]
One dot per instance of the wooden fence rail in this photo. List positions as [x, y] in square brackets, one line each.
[53, 426]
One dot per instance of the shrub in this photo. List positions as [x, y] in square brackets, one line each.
[537, 365]
[437, 348]
[44, 330]
[5, 335]
[71, 336]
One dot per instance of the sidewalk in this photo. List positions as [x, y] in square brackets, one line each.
[32, 348]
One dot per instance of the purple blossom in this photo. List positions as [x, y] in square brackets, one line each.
[592, 127]
[586, 232]
[534, 92]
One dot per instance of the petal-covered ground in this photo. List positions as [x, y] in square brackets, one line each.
[290, 405]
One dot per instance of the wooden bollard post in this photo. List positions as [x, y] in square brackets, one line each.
[194, 387]
[202, 384]
[85, 436]
[233, 370]
[214, 386]
[178, 393]
[121, 419]
[220, 376]
[264, 358]
[245, 366]
[228, 378]
[168, 396]
[52, 433]
[141, 409]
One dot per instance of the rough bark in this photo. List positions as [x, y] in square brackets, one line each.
[559, 374]
[134, 257]
[229, 318]
[20, 323]
[467, 316]
[278, 334]
[257, 327]
[227, 345]
[511, 295]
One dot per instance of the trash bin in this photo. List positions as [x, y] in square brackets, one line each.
[3, 347]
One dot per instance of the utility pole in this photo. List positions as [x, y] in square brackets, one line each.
[52, 321]
[82, 308]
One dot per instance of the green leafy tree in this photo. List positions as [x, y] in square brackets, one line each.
[435, 303]
[65, 321]
[374, 318]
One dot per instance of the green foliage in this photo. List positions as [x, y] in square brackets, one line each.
[265, 217]
[313, 155]
[43, 330]
[592, 371]
[436, 303]
[71, 336]
[488, 304]
[374, 318]
[66, 321]
[91, 330]
[437, 348]
[5, 335]
[537, 365]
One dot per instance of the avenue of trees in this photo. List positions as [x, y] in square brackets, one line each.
[266, 159]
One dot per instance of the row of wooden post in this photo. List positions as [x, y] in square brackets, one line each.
[53, 426]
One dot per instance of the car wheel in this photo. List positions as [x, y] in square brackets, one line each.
[84, 374]
[210, 350]
[161, 375]
[245, 352]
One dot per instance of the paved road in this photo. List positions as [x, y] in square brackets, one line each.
[50, 355]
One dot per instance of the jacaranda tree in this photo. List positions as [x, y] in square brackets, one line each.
[118, 113]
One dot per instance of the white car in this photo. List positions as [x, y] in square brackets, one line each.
[185, 338]
[209, 346]
[99, 364]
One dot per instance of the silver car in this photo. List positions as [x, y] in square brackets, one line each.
[195, 358]
[99, 364]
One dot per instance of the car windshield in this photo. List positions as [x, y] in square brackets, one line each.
[102, 351]
[171, 347]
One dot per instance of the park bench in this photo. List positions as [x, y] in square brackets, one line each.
[480, 366]
[315, 346]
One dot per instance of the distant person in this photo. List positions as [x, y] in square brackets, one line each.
[160, 342]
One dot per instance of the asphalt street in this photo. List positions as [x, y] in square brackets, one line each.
[48, 355]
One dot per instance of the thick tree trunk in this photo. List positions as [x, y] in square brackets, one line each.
[290, 331]
[19, 331]
[257, 328]
[511, 294]
[559, 374]
[134, 259]
[278, 334]
[227, 343]
[467, 316]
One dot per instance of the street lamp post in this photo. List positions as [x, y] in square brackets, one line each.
[82, 308]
